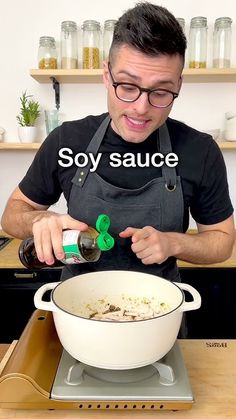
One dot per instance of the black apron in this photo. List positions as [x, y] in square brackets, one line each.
[159, 204]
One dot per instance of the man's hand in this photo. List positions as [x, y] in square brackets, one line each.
[211, 244]
[23, 218]
[149, 244]
[47, 231]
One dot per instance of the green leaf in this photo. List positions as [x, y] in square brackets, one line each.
[29, 111]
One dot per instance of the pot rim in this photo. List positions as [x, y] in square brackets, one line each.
[117, 321]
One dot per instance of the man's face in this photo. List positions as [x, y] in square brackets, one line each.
[135, 121]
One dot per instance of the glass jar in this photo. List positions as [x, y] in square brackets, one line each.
[198, 42]
[108, 36]
[47, 53]
[182, 23]
[69, 45]
[91, 44]
[222, 42]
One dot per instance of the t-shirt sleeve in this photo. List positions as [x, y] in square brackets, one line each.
[212, 202]
[40, 183]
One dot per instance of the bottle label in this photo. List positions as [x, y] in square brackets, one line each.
[71, 248]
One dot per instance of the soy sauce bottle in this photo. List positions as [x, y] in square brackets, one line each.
[78, 246]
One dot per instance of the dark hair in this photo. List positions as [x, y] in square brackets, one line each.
[151, 29]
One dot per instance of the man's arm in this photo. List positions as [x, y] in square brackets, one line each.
[212, 244]
[24, 218]
[19, 214]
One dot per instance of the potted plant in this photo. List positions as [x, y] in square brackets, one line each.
[29, 113]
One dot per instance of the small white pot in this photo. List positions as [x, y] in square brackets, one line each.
[230, 126]
[27, 134]
[116, 345]
[230, 135]
[2, 131]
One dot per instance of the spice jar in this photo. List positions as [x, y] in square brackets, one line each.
[222, 42]
[69, 45]
[78, 246]
[198, 42]
[108, 31]
[91, 44]
[47, 53]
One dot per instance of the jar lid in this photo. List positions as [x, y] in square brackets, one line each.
[109, 24]
[181, 20]
[222, 21]
[198, 21]
[91, 25]
[47, 40]
[69, 25]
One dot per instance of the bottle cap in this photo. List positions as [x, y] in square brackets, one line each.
[102, 223]
[104, 241]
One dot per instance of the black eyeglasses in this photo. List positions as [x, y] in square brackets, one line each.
[129, 92]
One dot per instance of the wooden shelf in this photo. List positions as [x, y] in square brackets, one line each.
[19, 146]
[224, 145]
[227, 145]
[68, 76]
[209, 75]
[202, 75]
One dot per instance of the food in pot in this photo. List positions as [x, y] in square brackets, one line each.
[130, 309]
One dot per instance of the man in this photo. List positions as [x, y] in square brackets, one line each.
[148, 206]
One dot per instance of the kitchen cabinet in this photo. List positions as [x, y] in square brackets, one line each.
[17, 289]
[214, 319]
[216, 284]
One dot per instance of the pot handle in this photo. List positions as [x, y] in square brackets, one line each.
[45, 305]
[192, 305]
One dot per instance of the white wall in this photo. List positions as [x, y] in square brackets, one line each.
[22, 23]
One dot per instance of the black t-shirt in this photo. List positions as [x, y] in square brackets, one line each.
[201, 167]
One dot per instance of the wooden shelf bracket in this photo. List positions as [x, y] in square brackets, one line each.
[56, 87]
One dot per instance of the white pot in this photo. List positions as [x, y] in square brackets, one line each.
[230, 134]
[112, 344]
[27, 134]
[230, 126]
[2, 131]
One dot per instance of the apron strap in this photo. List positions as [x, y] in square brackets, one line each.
[163, 138]
[169, 173]
[93, 147]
